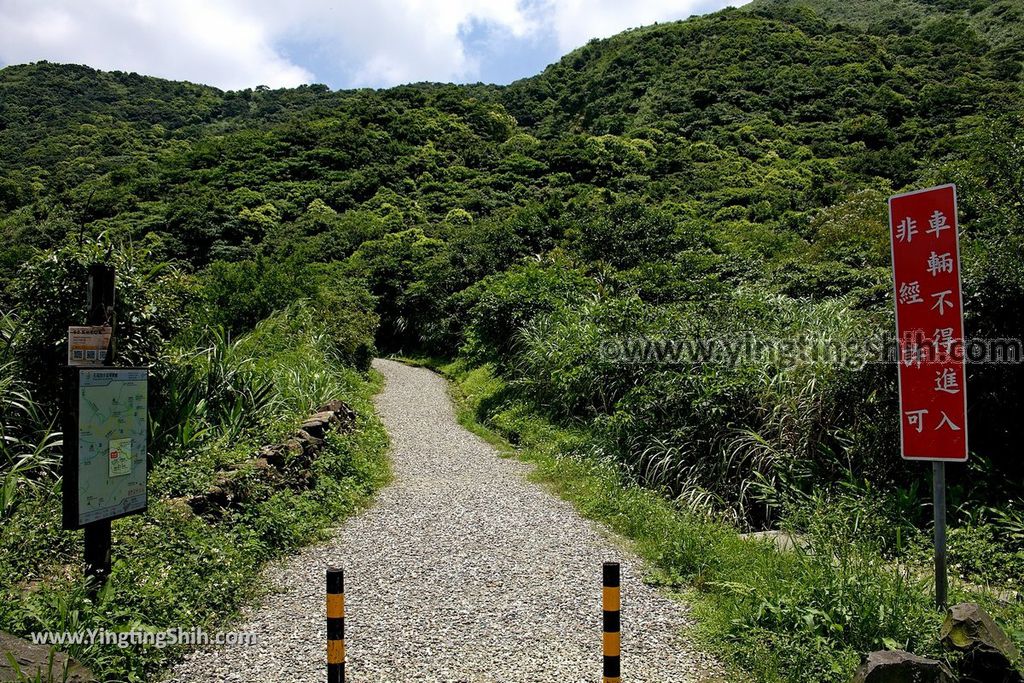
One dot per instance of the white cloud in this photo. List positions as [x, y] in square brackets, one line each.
[574, 22]
[399, 41]
[216, 43]
[241, 43]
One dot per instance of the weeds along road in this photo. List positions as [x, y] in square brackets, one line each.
[462, 571]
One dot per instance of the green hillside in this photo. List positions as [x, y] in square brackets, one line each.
[998, 21]
[723, 177]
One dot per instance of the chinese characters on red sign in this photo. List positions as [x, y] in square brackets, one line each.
[929, 324]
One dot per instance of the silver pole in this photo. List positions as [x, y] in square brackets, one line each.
[939, 503]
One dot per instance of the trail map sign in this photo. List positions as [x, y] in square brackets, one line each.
[105, 445]
[929, 324]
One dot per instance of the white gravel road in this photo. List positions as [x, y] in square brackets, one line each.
[463, 571]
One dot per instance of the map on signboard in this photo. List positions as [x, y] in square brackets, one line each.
[111, 443]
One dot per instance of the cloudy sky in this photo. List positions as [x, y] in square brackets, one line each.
[343, 43]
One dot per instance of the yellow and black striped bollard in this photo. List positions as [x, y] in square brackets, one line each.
[335, 625]
[610, 602]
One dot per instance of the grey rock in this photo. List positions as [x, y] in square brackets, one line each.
[264, 469]
[210, 503]
[343, 413]
[897, 666]
[35, 661]
[179, 506]
[334, 406]
[315, 427]
[293, 449]
[327, 417]
[276, 455]
[989, 654]
[783, 541]
[310, 443]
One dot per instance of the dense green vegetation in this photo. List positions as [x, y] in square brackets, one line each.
[215, 399]
[999, 21]
[716, 178]
[802, 615]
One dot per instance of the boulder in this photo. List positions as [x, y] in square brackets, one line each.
[989, 654]
[783, 541]
[275, 455]
[304, 480]
[293, 449]
[897, 666]
[180, 506]
[210, 503]
[327, 416]
[315, 427]
[264, 469]
[310, 443]
[343, 412]
[34, 663]
[332, 407]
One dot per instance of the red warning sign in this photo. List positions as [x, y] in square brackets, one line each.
[929, 324]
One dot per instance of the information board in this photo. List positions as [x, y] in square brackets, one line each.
[105, 445]
[88, 345]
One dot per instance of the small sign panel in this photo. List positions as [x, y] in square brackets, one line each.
[105, 445]
[120, 460]
[929, 324]
[87, 346]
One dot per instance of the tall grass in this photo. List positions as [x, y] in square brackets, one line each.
[300, 356]
[218, 398]
[809, 614]
[29, 438]
[850, 586]
[227, 387]
[210, 391]
[736, 437]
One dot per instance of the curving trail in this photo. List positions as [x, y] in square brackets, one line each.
[462, 571]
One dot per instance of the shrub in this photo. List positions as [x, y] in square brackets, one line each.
[501, 305]
[50, 296]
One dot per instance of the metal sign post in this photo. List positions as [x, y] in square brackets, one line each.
[97, 540]
[100, 311]
[930, 334]
[939, 498]
[105, 431]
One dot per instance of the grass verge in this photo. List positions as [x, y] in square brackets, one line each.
[173, 569]
[805, 615]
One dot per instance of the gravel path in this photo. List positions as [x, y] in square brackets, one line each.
[462, 571]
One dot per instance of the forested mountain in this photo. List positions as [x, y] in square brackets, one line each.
[735, 93]
[721, 176]
[998, 21]
[668, 165]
